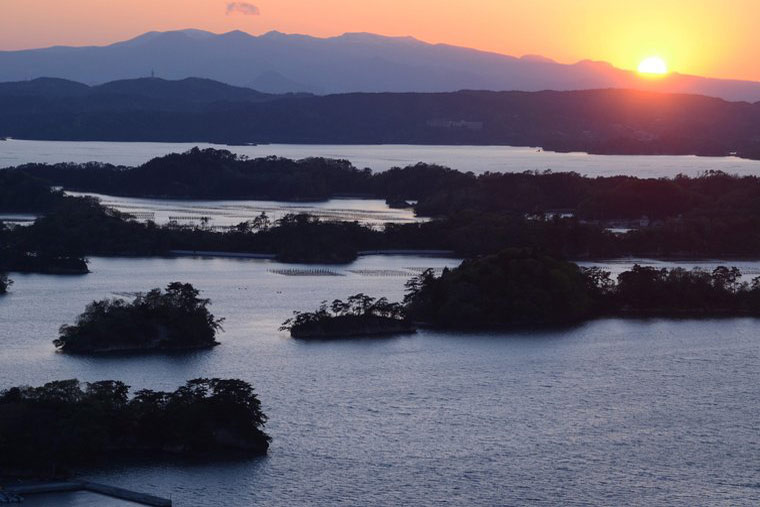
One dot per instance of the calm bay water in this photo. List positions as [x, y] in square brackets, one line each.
[374, 212]
[477, 159]
[641, 412]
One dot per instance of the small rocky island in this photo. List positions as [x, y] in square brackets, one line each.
[174, 319]
[49, 430]
[359, 315]
[5, 282]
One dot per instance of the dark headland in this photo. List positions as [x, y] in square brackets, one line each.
[607, 121]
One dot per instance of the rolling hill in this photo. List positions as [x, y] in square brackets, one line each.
[199, 110]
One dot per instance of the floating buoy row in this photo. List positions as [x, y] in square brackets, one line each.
[143, 215]
[381, 272]
[190, 218]
[436, 271]
[305, 272]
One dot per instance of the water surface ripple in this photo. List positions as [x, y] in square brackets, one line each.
[637, 412]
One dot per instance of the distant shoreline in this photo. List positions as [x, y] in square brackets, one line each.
[594, 121]
[247, 255]
[315, 144]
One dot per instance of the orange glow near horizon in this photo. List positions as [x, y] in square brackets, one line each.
[702, 37]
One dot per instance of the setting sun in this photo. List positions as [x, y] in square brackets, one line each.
[653, 65]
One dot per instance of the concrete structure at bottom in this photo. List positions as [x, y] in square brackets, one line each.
[93, 487]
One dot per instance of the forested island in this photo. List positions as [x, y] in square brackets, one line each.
[52, 429]
[436, 190]
[563, 214]
[529, 288]
[359, 315]
[525, 288]
[174, 319]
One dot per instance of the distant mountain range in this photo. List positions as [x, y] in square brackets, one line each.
[353, 62]
[201, 110]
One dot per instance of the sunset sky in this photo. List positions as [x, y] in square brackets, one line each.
[703, 37]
